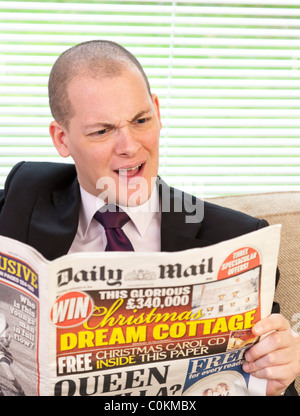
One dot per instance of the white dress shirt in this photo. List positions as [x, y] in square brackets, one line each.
[143, 229]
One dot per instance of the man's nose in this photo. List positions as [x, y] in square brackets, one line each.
[127, 143]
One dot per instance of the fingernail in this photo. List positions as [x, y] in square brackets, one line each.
[246, 367]
[257, 328]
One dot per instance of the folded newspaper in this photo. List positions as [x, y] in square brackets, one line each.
[134, 324]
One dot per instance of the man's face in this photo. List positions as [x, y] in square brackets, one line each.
[113, 136]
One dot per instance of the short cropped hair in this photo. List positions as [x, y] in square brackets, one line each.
[96, 58]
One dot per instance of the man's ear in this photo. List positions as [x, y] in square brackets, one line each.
[58, 134]
[157, 109]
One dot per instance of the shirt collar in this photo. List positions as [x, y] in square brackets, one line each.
[140, 215]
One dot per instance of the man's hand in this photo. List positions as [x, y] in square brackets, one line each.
[276, 357]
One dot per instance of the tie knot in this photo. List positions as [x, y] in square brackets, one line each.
[113, 217]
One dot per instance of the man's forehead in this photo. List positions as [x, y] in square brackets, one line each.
[102, 100]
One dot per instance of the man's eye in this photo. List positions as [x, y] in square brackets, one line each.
[101, 132]
[142, 120]
[98, 133]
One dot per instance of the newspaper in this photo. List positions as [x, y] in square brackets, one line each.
[134, 324]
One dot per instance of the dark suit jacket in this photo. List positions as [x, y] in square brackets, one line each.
[40, 207]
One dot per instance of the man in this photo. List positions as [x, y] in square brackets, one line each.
[108, 121]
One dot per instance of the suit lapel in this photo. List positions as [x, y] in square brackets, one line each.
[177, 233]
[53, 237]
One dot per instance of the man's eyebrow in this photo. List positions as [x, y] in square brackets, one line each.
[99, 124]
[104, 125]
[140, 114]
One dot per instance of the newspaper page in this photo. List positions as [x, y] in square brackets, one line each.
[135, 324]
[23, 336]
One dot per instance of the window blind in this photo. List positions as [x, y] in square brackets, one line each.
[227, 74]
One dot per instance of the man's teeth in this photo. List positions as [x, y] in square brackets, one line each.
[126, 170]
[135, 167]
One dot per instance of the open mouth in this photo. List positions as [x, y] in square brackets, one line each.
[130, 172]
